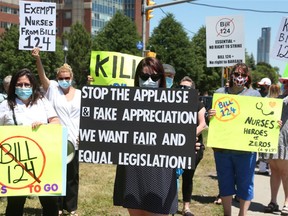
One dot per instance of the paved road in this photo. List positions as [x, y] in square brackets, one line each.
[261, 198]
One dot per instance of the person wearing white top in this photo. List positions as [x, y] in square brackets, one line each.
[25, 105]
[66, 101]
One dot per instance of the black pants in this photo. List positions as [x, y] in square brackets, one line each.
[15, 205]
[70, 201]
[188, 174]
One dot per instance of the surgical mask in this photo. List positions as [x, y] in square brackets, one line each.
[169, 82]
[149, 83]
[23, 93]
[64, 83]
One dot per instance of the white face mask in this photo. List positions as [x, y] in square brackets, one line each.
[149, 83]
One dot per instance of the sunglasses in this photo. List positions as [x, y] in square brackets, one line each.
[64, 78]
[184, 87]
[236, 74]
[145, 76]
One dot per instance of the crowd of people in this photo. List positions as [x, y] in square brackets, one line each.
[146, 191]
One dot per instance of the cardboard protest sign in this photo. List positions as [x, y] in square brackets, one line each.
[245, 123]
[280, 48]
[113, 68]
[138, 126]
[37, 25]
[33, 162]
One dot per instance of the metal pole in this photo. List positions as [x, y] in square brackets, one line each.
[167, 4]
[143, 27]
[145, 8]
[222, 78]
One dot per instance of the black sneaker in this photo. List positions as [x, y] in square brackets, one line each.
[272, 207]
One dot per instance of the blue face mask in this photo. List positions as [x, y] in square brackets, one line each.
[64, 83]
[169, 82]
[23, 93]
[149, 83]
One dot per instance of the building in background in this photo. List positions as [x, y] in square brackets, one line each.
[92, 14]
[263, 45]
[9, 14]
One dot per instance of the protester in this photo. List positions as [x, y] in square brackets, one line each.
[169, 75]
[147, 190]
[235, 169]
[188, 174]
[264, 85]
[274, 91]
[66, 101]
[279, 161]
[284, 87]
[6, 83]
[25, 105]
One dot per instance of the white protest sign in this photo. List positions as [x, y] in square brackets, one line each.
[280, 48]
[224, 41]
[37, 25]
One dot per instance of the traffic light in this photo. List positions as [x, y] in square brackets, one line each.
[150, 54]
[148, 12]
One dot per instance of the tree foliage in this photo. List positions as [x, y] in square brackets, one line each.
[263, 70]
[207, 79]
[172, 46]
[118, 35]
[79, 52]
[12, 59]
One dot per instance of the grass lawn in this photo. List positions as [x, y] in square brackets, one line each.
[96, 191]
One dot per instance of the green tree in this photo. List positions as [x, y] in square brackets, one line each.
[250, 61]
[207, 79]
[79, 52]
[172, 46]
[118, 35]
[13, 59]
[265, 70]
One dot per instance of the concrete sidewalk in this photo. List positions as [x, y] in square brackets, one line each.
[261, 198]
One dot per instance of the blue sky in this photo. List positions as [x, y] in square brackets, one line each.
[192, 17]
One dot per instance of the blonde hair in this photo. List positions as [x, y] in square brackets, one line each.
[65, 66]
[6, 82]
[274, 91]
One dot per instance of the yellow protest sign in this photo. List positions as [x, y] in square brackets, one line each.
[245, 123]
[113, 68]
[33, 162]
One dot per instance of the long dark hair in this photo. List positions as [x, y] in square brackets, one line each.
[36, 93]
[151, 65]
[245, 69]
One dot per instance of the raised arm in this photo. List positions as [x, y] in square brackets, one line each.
[201, 119]
[43, 78]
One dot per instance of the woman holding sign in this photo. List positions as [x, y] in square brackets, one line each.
[147, 190]
[66, 101]
[235, 169]
[25, 105]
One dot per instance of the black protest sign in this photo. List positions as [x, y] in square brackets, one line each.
[138, 126]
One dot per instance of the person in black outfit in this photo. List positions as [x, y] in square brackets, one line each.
[188, 174]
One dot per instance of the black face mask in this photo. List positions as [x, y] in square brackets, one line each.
[262, 88]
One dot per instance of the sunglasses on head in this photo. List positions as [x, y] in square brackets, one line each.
[184, 87]
[237, 74]
[145, 76]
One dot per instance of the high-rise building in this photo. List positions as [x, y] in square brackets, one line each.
[93, 14]
[263, 45]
